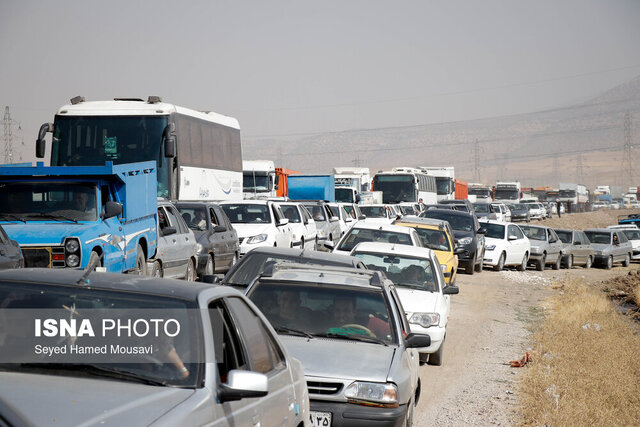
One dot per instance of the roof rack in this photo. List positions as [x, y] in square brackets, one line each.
[376, 278]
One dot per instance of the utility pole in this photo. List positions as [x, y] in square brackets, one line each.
[627, 163]
[579, 170]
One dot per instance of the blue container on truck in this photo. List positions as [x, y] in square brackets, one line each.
[68, 216]
[312, 187]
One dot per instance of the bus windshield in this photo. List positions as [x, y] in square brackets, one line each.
[94, 140]
[395, 188]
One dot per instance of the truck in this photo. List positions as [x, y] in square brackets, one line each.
[481, 192]
[350, 183]
[461, 189]
[282, 179]
[574, 196]
[312, 187]
[602, 189]
[75, 216]
[445, 181]
[507, 192]
[258, 179]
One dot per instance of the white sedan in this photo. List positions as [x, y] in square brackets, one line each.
[505, 244]
[421, 286]
[364, 231]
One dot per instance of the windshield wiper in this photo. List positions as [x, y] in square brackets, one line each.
[290, 331]
[17, 218]
[54, 216]
[352, 337]
[95, 370]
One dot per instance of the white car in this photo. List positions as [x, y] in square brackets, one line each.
[344, 219]
[378, 213]
[506, 245]
[502, 212]
[633, 234]
[303, 227]
[421, 286]
[536, 210]
[259, 223]
[367, 232]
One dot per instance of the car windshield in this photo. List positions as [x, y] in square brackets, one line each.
[565, 236]
[291, 213]
[247, 213]
[481, 208]
[359, 235]
[458, 222]
[403, 271]
[374, 211]
[632, 234]
[97, 306]
[195, 217]
[535, 233]
[518, 208]
[317, 212]
[495, 231]
[326, 311]
[599, 237]
[45, 201]
[433, 239]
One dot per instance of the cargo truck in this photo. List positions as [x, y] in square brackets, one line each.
[73, 216]
[258, 179]
[312, 187]
[350, 183]
[507, 192]
[445, 181]
[482, 193]
[574, 196]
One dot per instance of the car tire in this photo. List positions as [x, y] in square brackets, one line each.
[480, 265]
[190, 274]
[523, 265]
[589, 262]
[541, 263]
[94, 259]
[210, 267]
[234, 260]
[140, 268]
[627, 261]
[569, 264]
[471, 267]
[408, 419]
[609, 263]
[156, 269]
[435, 359]
[556, 266]
[500, 264]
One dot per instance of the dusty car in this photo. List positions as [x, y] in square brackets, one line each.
[226, 367]
[546, 247]
[365, 231]
[218, 245]
[10, 252]
[577, 249]
[327, 224]
[379, 213]
[506, 245]
[421, 285]
[344, 218]
[484, 211]
[303, 226]
[633, 234]
[519, 212]
[610, 246]
[349, 330]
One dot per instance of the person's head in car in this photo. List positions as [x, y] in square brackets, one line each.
[344, 310]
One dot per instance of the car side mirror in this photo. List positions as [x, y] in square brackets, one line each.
[328, 244]
[451, 290]
[111, 209]
[283, 221]
[458, 251]
[167, 231]
[219, 228]
[211, 278]
[417, 340]
[447, 274]
[482, 231]
[242, 384]
[334, 219]
[363, 216]
[512, 237]
[576, 243]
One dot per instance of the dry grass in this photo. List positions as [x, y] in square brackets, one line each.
[583, 375]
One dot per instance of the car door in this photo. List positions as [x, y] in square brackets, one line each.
[515, 251]
[624, 248]
[222, 241]
[581, 248]
[309, 227]
[167, 251]
[186, 242]
[555, 244]
[283, 231]
[265, 355]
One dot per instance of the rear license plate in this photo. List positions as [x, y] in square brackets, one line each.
[320, 419]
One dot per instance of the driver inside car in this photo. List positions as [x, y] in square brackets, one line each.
[344, 319]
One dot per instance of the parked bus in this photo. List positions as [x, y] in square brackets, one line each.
[406, 185]
[198, 154]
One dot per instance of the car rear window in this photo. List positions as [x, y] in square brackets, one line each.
[359, 235]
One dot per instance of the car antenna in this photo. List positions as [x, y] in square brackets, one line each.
[90, 268]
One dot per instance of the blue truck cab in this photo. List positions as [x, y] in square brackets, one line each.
[69, 216]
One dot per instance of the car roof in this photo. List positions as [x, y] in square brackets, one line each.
[534, 226]
[246, 202]
[393, 248]
[447, 212]
[606, 230]
[495, 221]
[382, 227]
[623, 227]
[321, 275]
[196, 203]
[328, 257]
[172, 288]
[432, 223]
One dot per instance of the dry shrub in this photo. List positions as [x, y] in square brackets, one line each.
[587, 366]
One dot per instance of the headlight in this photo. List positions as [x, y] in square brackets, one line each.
[425, 319]
[384, 394]
[257, 239]
[535, 250]
[72, 245]
[465, 241]
[73, 260]
[443, 267]
[599, 252]
[491, 247]
[199, 247]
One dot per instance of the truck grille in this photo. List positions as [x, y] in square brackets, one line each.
[323, 388]
[45, 257]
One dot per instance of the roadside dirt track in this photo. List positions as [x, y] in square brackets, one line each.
[490, 324]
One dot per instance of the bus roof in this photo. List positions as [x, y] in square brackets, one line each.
[141, 108]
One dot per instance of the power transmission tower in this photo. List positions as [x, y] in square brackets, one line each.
[356, 161]
[627, 165]
[7, 137]
[476, 160]
[579, 170]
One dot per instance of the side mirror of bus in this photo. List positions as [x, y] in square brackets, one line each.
[40, 142]
[169, 137]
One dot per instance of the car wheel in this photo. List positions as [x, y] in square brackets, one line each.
[94, 259]
[542, 263]
[569, 264]
[302, 243]
[408, 419]
[156, 269]
[627, 261]
[234, 261]
[556, 266]
[435, 359]
[470, 268]
[480, 264]
[315, 245]
[190, 274]
[609, 263]
[210, 267]
[500, 264]
[589, 263]
[140, 268]
[523, 264]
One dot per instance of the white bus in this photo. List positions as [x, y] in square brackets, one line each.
[406, 185]
[198, 154]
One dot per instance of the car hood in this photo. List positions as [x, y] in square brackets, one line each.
[493, 241]
[601, 246]
[45, 232]
[333, 358]
[460, 233]
[248, 230]
[414, 301]
[82, 401]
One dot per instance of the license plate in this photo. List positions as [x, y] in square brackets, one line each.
[320, 419]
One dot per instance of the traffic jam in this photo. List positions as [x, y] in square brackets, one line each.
[156, 276]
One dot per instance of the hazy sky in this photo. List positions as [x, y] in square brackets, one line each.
[292, 67]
